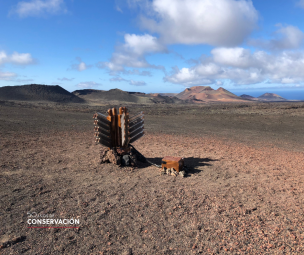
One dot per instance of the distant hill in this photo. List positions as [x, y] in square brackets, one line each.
[101, 96]
[196, 94]
[244, 96]
[199, 94]
[159, 98]
[137, 93]
[98, 96]
[37, 92]
[167, 94]
[271, 97]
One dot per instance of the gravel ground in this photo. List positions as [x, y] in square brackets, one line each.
[242, 195]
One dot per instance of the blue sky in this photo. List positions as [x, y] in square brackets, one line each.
[153, 45]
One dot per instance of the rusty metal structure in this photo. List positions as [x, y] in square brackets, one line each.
[176, 163]
[117, 130]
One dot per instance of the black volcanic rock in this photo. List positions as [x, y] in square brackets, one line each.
[248, 97]
[103, 95]
[82, 92]
[271, 97]
[37, 92]
[91, 95]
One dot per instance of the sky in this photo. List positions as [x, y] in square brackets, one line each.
[154, 46]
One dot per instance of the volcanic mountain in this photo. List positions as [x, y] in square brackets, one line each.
[199, 94]
[36, 92]
[271, 97]
[98, 96]
[244, 96]
[101, 96]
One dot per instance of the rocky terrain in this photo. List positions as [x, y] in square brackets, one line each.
[243, 193]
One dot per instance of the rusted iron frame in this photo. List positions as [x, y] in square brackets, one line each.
[134, 122]
[131, 129]
[133, 133]
[105, 121]
[101, 129]
[141, 114]
[102, 125]
[135, 138]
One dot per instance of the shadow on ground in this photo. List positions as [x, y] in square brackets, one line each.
[194, 164]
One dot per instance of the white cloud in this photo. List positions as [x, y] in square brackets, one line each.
[242, 67]
[131, 82]
[16, 58]
[286, 37]
[188, 77]
[3, 57]
[65, 79]
[6, 76]
[219, 83]
[88, 84]
[23, 80]
[118, 8]
[81, 66]
[300, 3]
[288, 81]
[39, 7]
[220, 22]
[237, 57]
[137, 83]
[118, 78]
[137, 72]
[142, 44]
[21, 58]
[132, 53]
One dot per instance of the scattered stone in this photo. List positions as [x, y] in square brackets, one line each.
[182, 173]
[123, 151]
[103, 155]
[125, 160]
[127, 251]
[8, 243]
[168, 171]
[173, 172]
[133, 159]
[162, 171]
[111, 156]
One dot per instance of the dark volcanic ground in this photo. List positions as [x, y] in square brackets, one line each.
[243, 195]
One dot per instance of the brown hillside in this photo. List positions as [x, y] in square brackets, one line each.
[199, 94]
[158, 98]
[271, 97]
[100, 96]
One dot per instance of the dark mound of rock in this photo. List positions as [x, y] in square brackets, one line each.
[112, 94]
[36, 92]
[244, 96]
